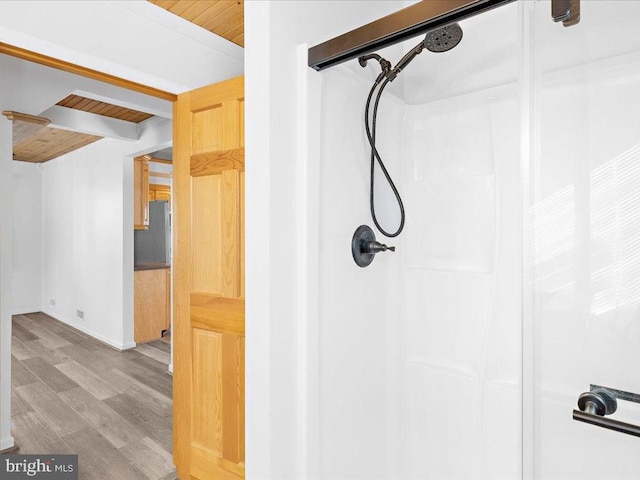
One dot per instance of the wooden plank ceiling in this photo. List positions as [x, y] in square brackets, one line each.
[222, 17]
[77, 102]
[34, 141]
[49, 143]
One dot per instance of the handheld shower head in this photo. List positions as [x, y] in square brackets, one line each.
[440, 40]
[404, 61]
[443, 39]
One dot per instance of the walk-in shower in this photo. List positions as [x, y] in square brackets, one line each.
[514, 289]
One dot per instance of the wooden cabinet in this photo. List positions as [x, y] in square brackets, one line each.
[159, 192]
[140, 193]
[152, 304]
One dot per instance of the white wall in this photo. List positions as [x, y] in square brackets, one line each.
[6, 239]
[27, 237]
[87, 223]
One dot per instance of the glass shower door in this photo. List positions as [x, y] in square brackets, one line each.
[582, 231]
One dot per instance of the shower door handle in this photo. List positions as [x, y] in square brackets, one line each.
[604, 422]
[600, 401]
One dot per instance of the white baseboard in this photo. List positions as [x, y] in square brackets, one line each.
[170, 369]
[23, 311]
[6, 443]
[91, 333]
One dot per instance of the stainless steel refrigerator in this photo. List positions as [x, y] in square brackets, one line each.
[154, 245]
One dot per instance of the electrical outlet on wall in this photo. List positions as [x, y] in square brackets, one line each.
[80, 314]
[52, 302]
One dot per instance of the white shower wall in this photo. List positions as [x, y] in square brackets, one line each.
[461, 289]
[359, 309]
[419, 353]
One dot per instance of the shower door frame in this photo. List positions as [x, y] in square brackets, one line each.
[529, 143]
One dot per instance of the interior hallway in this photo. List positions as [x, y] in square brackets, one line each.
[73, 394]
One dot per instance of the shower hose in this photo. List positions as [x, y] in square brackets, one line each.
[375, 156]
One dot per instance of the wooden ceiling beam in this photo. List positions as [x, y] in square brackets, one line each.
[91, 123]
[25, 125]
[69, 67]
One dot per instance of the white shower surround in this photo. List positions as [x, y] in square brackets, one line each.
[420, 366]
[419, 354]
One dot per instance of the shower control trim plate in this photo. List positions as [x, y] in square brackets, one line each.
[364, 246]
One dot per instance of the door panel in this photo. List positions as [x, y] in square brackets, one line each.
[585, 231]
[206, 236]
[209, 277]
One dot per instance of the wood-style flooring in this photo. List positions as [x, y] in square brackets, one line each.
[73, 394]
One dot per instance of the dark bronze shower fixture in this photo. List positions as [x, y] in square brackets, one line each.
[364, 246]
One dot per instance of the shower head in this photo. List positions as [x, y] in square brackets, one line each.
[440, 40]
[443, 39]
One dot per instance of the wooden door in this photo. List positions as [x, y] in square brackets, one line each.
[209, 282]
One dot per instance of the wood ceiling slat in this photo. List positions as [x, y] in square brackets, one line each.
[232, 27]
[76, 99]
[71, 101]
[105, 107]
[195, 10]
[238, 40]
[131, 117]
[166, 4]
[82, 104]
[101, 108]
[237, 34]
[222, 17]
[92, 105]
[109, 110]
[219, 20]
[223, 8]
[181, 6]
[50, 143]
[216, 9]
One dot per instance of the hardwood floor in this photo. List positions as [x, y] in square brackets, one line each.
[73, 394]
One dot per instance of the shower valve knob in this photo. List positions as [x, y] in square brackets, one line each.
[376, 247]
[364, 246]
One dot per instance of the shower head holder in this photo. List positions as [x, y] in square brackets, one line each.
[364, 246]
[385, 64]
